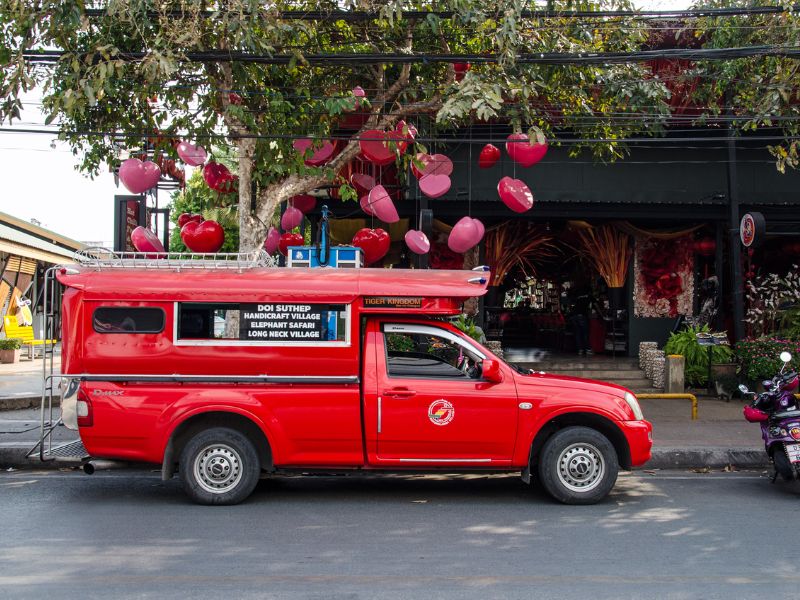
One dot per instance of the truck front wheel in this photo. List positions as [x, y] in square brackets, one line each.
[578, 465]
[219, 466]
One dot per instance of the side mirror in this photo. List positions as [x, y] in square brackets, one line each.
[786, 356]
[743, 388]
[491, 370]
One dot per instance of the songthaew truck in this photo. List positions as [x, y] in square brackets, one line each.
[233, 371]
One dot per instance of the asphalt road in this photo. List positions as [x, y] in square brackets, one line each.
[126, 534]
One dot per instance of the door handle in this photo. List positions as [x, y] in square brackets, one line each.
[399, 393]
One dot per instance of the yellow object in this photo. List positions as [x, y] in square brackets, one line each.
[691, 397]
[24, 333]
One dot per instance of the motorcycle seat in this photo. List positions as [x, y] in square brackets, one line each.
[787, 414]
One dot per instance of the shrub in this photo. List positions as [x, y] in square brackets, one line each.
[685, 343]
[10, 344]
[760, 359]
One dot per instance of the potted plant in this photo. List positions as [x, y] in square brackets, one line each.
[9, 350]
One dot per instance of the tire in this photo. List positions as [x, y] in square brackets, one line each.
[219, 466]
[578, 465]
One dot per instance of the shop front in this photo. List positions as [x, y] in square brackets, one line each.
[610, 254]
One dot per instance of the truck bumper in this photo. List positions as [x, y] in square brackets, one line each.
[640, 441]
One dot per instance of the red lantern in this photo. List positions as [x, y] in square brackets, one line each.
[705, 247]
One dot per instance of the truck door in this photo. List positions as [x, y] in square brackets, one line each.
[433, 405]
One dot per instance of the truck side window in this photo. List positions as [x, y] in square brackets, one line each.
[128, 319]
[427, 355]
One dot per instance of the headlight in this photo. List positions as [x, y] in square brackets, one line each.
[634, 404]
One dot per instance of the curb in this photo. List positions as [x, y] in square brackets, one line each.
[663, 458]
[18, 402]
[712, 457]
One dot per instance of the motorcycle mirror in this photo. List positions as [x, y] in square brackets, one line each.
[786, 357]
[743, 388]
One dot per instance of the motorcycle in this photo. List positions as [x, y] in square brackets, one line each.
[777, 412]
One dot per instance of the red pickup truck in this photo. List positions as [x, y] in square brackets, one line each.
[226, 376]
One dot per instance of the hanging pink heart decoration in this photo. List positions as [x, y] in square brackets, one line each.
[303, 202]
[192, 155]
[465, 234]
[434, 185]
[521, 150]
[417, 241]
[205, 237]
[319, 155]
[145, 240]
[362, 182]
[515, 194]
[438, 164]
[382, 205]
[365, 205]
[139, 176]
[291, 218]
[488, 156]
[359, 92]
[271, 243]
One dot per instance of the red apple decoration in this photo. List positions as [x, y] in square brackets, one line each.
[287, 240]
[205, 237]
[373, 242]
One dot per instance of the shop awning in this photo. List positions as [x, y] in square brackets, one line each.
[22, 244]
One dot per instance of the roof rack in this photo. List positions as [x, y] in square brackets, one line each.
[99, 257]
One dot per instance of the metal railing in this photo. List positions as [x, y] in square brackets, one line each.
[97, 257]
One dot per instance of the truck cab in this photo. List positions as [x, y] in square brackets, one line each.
[330, 370]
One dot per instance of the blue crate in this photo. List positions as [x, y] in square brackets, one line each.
[347, 257]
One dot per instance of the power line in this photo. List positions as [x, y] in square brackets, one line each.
[345, 15]
[544, 58]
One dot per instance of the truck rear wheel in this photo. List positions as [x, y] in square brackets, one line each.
[578, 465]
[219, 466]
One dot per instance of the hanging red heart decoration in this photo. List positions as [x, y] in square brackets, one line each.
[461, 69]
[184, 218]
[515, 194]
[271, 243]
[362, 182]
[375, 146]
[218, 177]
[434, 186]
[205, 237]
[291, 218]
[489, 155]
[303, 202]
[465, 234]
[145, 240]
[522, 151]
[438, 164]
[382, 205]
[373, 242]
[319, 155]
[422, 158]
[139, 176]
[190, 154]
[288, 240]
[417, 241]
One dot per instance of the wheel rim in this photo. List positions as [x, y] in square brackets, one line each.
[581, 467]
[218, 468]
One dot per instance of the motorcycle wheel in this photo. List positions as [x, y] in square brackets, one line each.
[781, 462]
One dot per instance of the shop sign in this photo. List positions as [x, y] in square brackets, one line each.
[392, 302]
[284, 322]
[752, 229]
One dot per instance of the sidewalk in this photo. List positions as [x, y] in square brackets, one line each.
[718, 438]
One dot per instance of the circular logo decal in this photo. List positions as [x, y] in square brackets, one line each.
[795, 433]
[747, 230]
[441, 412]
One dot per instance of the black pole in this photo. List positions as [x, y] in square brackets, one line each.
[736, 287]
